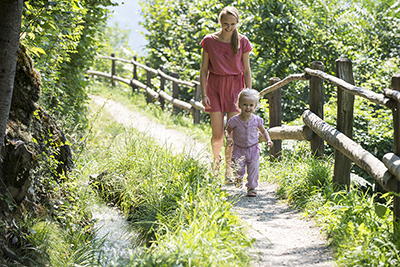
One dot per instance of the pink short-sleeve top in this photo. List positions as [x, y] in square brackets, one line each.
[222, 59]
[245, 134]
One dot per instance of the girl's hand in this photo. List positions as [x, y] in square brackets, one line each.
[206, 102]
[270, 143]
[229, 141]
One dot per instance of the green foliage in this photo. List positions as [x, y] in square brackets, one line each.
[286, 37]
[114, 41]
[61, 37]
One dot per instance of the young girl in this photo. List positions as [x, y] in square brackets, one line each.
[225, 72]
[245, 127]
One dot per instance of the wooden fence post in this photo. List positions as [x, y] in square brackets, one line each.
[345, 110]
[135, 77]
[197, 97]
[112, 70]
[162, 88]
[149, 99]
[275, 118]
[175, 92]
[396, 148]
[317, 106]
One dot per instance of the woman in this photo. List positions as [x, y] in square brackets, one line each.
[225, 72]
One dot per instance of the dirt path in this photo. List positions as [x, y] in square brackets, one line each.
[282, 237]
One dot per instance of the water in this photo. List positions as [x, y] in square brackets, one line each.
[118, 246]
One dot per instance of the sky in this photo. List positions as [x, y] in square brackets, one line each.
[127, 14]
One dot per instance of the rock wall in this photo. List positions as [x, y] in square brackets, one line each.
[32, 137]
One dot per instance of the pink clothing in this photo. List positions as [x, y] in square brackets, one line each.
[246, 152]
[245, 134]
[246, 157]
[222, 60]
[225, 79]
[223, 92]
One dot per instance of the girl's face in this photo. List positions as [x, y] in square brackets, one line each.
[248, 105]
[228, 23]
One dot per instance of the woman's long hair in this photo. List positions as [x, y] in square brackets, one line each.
[230, 10]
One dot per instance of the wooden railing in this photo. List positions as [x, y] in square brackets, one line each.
[315, 129]
[194, 106]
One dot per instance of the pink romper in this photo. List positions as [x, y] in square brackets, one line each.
[246, 152]
[225, 78]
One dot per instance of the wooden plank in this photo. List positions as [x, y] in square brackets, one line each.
[112, 70]
[197, 105]
[290, 78]
[197, 98]
[392, 162]
[162, 88]
[392, 94]
[148, 83]
[176, 102]
[352, 150]
[317, 106]
[395, 84]
[175, 80]
[175, 92]
[275, 118]
[135, 76]
[354, 90]
[345, 110]
[300, 133]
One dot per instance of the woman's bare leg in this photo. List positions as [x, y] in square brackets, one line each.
[217, 138]
[228, 154]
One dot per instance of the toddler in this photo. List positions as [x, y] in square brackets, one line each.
[246, 153]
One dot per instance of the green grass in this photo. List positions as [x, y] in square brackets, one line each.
[359, 228]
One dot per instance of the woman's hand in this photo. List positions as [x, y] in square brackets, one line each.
[206, 101]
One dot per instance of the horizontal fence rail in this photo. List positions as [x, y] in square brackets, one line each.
[315, 129]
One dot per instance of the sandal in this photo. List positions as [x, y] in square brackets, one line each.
[251, 192]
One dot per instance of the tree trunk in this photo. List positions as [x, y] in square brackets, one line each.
[10, 28]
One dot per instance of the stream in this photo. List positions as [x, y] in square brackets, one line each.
[113, 228]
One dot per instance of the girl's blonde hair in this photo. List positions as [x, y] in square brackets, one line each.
[249, 92]
[230, 10]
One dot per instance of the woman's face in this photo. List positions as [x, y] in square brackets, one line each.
[228, 23]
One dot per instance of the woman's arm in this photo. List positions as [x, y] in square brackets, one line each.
[246, 70]
[203, 79]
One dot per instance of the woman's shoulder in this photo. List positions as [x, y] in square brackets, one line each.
[210, 36]
[243, 38]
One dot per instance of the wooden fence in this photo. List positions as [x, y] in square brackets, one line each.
[315, 129]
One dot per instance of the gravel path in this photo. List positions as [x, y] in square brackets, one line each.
[282, 237]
